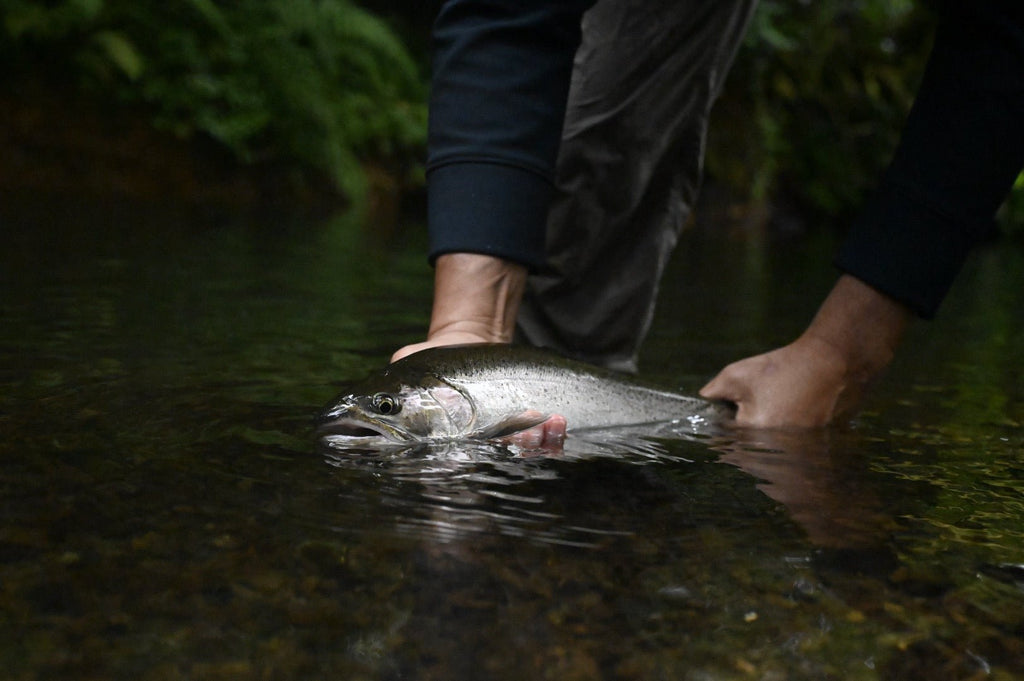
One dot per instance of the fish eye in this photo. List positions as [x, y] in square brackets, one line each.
[385, 404]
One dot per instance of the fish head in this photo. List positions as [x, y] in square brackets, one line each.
[397, 412]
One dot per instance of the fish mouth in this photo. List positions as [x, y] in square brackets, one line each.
[354, 431]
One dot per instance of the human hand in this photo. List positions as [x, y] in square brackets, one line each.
[543, 438]
[802, 384]
[476, 299]
[821, 375]
[440, 340]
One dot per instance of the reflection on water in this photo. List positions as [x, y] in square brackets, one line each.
[167, 514]
[452, 490]
[822, 480]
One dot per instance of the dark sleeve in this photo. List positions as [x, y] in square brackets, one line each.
[498, 97]
[962, 148]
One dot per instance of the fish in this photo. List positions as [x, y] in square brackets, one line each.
[484, 392]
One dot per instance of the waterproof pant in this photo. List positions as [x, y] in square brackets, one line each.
[629, 167]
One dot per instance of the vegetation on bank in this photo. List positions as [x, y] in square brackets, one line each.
[810, 116]
[816, 99]
[325, 85]
[816, 102]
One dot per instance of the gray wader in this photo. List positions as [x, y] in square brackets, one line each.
[629, 167]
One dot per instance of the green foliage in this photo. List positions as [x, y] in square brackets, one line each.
[817, 98]
[1011, 215]
[71, 31]
[811, 113]
[48, 21]
[321, 82]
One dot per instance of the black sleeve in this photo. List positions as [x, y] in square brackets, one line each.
[962, 148]
[499, 90]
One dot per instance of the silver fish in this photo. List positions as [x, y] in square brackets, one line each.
[485, 392]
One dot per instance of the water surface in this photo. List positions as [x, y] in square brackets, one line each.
[167, 514]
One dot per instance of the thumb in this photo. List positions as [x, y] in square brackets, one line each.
[725, 386]
[409, 350]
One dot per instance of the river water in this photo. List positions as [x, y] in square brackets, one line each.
[167, 514]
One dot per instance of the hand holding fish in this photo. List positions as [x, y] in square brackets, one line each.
[548, 436]
[808, 383]
[823, 373]
[799, 385]
[476, 299]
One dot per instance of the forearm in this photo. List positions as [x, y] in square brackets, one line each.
[960, 152]
[498, 96]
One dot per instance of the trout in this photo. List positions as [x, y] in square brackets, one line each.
[486, 392]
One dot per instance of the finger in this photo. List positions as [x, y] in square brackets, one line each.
[554, 432]
[713, 390]
[548, 436]
[531, 438]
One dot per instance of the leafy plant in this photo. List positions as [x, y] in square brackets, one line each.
[70, 30]
[817, 98]
[320, 82]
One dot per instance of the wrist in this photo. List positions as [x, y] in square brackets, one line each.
[476, 297]
[861, 326]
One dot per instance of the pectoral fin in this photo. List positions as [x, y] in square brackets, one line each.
[512, 424]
